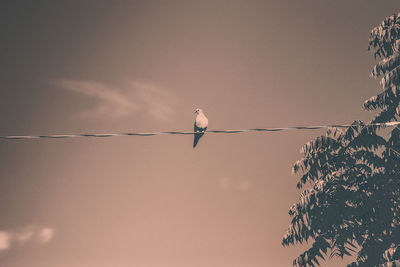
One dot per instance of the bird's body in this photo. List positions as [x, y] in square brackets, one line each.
[200, 126]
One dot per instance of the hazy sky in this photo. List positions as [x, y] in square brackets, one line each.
[117, 66]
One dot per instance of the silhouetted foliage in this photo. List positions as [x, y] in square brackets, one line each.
[350, 203]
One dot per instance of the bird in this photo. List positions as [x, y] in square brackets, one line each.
[200, 125]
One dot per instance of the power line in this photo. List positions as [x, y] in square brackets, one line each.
[395, 152]
[60, 136]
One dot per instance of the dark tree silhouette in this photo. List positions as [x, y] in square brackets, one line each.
[350, 203]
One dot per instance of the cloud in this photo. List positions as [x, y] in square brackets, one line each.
[156, 100]
[46, 234]
[28, 234]
[224, 182]
[24, 235]
[244, 185]
[114, 101]
[5, 239]
[109, 100]
[228, 183]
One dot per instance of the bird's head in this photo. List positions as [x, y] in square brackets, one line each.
[198, 110]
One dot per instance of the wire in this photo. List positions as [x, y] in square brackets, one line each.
[60, 136]
[395, 152]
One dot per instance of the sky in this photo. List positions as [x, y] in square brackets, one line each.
[95, 66]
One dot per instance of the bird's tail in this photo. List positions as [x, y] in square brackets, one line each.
[197, 137]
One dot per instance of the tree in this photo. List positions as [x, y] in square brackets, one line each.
[350, 203]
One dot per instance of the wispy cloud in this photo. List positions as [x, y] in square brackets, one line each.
[121, 101]
[46, 234]
[228, 183]
[225, 182]
[109, 100]
[5, 239]
[28, 234]
[24, 235]
[157, 101]
[244, 185]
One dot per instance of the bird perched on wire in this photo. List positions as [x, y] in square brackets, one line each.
[200, 125]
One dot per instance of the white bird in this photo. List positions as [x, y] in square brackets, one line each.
[200, 125]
